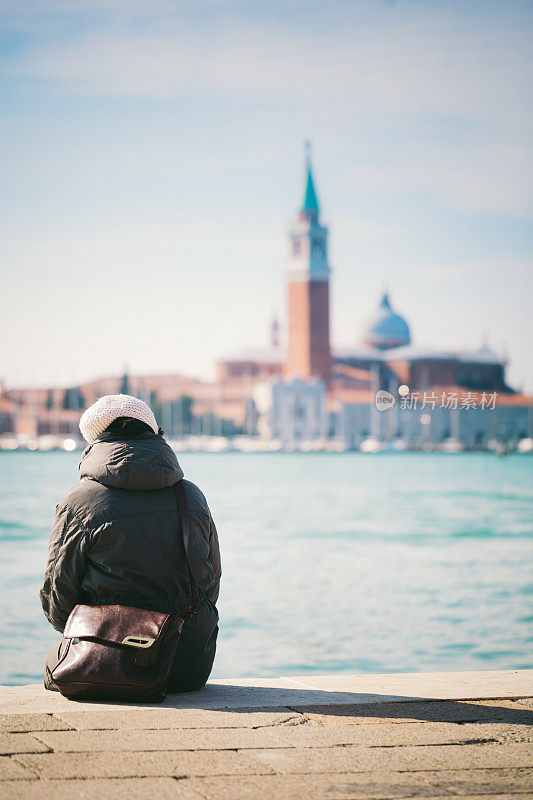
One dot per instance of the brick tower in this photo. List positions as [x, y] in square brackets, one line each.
[308, 351]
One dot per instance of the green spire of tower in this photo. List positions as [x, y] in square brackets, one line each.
[309, 198]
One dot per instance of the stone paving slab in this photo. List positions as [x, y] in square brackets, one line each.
[352, 758]
[437, 685]
[102, 789]
[304, 736]
[514, 711]
[302, 691]
[146, 764]
[180, 718]
[11, 743]
[379, 738]
[16, 723]
[508, 784]
[10, 770]
[237, 694]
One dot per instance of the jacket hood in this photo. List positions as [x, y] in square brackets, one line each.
[147, 462]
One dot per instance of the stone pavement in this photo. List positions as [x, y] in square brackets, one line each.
[433, 735]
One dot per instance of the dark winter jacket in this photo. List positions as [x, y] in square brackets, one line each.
[117, 537]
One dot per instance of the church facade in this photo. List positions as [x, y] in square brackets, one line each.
[435, 397]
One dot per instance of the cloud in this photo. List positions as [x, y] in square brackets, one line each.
[389, 67]
[482, 175]
[383, 65]
[392, 61]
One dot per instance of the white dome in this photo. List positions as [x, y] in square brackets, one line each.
[386, 329]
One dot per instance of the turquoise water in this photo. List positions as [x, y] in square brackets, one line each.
[332, 562]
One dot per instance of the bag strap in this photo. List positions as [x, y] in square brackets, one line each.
[183, 505]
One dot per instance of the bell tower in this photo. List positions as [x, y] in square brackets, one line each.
[308, 352]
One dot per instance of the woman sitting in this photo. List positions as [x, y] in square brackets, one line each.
[116, 538]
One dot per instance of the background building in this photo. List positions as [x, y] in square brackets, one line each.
[308, 392]
[308, 346]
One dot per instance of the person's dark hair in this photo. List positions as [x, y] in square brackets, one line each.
[128, 427]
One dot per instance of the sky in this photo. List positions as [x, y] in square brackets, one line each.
[152, 163]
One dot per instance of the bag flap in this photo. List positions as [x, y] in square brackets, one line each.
[118, 624]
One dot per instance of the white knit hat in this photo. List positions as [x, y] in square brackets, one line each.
[97, 417]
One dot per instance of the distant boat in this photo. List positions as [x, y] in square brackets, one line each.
[452, 445]
[525, 445]
[371, 445]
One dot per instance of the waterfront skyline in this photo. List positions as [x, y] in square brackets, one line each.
[154, 162]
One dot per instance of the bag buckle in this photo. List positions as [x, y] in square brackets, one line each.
[138, 641]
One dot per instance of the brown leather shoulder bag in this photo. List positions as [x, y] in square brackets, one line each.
[119, 652]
